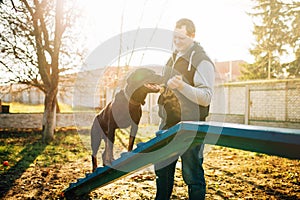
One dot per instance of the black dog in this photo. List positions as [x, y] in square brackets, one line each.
[123, 111]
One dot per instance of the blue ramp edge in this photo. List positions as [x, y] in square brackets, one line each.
[273, 141]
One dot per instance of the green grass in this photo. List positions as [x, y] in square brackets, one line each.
[15, 107]
[23, 149]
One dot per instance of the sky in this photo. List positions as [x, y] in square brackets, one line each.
[222, 26]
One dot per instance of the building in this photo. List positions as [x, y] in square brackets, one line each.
[229, 71]
[95, 88]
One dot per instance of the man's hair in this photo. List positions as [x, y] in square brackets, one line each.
[190, 27]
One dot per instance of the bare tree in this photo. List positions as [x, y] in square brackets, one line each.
[37, 44]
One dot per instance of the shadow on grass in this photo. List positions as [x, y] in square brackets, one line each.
[29, 153]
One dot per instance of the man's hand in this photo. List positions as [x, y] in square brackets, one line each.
[176, 83]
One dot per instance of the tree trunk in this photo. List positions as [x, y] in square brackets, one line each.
[57, 106]
[49, 118]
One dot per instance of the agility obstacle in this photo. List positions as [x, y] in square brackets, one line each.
[281, 142]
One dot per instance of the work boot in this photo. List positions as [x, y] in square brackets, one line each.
[94, 162]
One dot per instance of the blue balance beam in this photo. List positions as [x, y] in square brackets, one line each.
[272, 141]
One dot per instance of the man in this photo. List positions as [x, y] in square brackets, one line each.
[189, 75]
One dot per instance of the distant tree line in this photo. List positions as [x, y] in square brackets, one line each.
[277, 36]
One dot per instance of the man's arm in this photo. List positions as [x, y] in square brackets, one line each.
[204, 79]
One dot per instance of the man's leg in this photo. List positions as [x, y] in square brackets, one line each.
[193, 173]
[164, 180]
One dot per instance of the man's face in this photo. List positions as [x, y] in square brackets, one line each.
[181, 39]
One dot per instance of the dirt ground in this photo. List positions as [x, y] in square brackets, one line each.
[230, 174]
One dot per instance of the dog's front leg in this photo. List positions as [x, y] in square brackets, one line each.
[108, 156]
[96, 135]
[133, 131]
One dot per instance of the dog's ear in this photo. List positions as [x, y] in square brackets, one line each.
[135, 78]
[139, 75]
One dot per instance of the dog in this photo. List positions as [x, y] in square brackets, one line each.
[123, 111]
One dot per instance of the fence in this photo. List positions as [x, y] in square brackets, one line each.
[274, 103]
[269, 103]
[34, 120]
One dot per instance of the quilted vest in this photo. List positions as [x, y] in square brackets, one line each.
[173, 106]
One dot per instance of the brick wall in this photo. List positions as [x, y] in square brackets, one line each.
[34, 120]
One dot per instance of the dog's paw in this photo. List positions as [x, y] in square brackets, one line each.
[108, 162]
[94, 168]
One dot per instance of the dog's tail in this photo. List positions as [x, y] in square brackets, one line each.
[96, 136]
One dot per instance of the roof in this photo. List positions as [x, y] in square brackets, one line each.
[229, 70]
